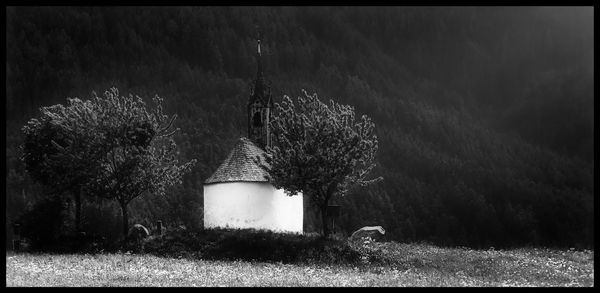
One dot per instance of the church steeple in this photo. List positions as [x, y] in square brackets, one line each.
[259, 106]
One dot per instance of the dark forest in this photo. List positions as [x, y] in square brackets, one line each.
[484, 114]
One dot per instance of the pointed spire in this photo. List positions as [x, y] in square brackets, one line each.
[259, 103]
[259, 86]
[259, 72]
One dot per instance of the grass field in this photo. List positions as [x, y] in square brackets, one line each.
[402, 265]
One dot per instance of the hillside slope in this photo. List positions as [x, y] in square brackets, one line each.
[485, 116]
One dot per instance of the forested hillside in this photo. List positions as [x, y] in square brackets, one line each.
[484, 115]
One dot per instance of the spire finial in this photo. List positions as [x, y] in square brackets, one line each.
[258, 53]
[258, 37]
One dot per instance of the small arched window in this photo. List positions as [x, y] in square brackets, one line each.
[256, 120]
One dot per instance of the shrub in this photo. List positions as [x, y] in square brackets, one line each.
[102, 224]
[46, 225]
[251, 245]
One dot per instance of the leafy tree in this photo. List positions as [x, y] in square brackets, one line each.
[141, 156]
[320, 150]
[112, 147]
[61, 149]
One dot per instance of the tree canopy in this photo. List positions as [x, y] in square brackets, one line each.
[110, 146]
[141, 155]
[62, 148]
[320, 150]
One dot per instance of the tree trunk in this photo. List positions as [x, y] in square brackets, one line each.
[125, 219]
[324, 221]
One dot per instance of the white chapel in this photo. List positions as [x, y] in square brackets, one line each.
[238, 194]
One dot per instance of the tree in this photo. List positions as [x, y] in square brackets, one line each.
[61, 149]
[141, 155]
[111, 147]
[320, 150]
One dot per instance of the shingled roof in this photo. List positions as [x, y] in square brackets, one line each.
[240, 165]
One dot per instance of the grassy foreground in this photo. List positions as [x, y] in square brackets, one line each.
[401, 265]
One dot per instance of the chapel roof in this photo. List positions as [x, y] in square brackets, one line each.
[241, 165]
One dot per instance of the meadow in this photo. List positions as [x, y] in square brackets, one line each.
[382, 264]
